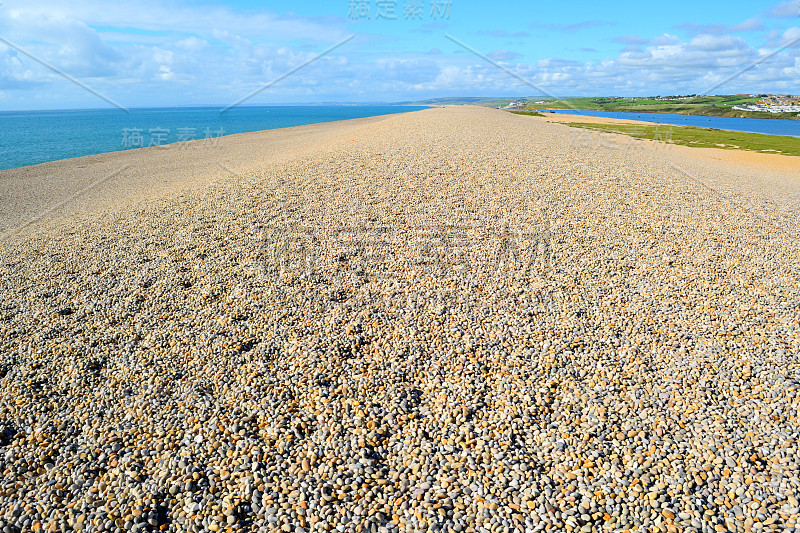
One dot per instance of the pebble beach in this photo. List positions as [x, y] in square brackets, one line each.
[456, 320]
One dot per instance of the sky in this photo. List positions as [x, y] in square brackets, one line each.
[79, 54]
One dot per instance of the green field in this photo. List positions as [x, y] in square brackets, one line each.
[529, 113]
[702, 137]
[718, 106]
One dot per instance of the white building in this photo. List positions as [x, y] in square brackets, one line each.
[769, 109]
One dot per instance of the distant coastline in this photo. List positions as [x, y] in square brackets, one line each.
[731, 106]
[734, 106]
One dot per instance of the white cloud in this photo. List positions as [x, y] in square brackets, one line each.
[751, 24]
[503, 55]
[68, 44]
[668, 64]
[785, 9]
[727, 44]
[192, 44]
[173, 17]
[157, 50]
[162, 56]
[665, 40]
[165, 73]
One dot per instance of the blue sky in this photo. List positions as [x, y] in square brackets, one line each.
[163, 53]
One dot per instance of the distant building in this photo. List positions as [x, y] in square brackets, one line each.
[765, 107]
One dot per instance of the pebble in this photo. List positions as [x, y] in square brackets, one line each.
[460, 321]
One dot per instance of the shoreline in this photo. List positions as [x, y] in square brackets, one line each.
[29, 191]
[748, 158]
[319, 119]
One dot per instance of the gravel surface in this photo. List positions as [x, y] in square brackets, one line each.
[453, 320]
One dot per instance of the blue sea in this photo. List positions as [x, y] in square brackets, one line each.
[31, 137]
[770, 126]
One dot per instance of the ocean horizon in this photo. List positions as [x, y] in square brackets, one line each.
[34, 137]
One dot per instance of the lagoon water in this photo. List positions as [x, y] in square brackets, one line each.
[31, 137]
[768, 126]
